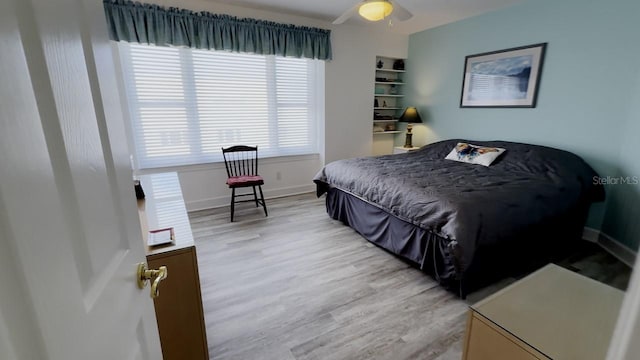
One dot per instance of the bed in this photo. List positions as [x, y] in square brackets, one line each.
[467, 225]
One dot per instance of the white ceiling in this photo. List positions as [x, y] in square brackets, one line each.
[427, 13]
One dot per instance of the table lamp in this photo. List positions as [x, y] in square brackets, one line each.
[410, 116]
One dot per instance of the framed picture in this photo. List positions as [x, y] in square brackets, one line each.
[504, 78]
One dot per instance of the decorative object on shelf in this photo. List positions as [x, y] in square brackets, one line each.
[378, 128]
[390, 127]
[379, 91]
[376, 10]
[398, 64]
[375, 103]
[410, 116]
[380, 64]
[381, 79]
[384, 103]
[505, 78]
[393, 90]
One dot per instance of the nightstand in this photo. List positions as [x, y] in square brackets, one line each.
[402, 150]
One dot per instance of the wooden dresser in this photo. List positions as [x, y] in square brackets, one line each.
[551, 314]
[179, 307]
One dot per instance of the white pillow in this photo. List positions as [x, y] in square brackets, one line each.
[474, 154]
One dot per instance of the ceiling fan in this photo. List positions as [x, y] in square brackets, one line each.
[375, 10]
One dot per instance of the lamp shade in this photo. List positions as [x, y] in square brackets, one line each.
[410, 115]
[375, 10]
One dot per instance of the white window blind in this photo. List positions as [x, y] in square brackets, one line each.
[186, 104]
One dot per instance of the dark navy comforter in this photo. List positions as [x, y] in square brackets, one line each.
[469, 205]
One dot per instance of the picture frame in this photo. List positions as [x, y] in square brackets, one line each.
[507, 78]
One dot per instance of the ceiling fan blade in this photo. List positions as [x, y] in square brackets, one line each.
[347, 14]
[400, 13]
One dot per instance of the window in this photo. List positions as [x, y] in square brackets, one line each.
[186, 104]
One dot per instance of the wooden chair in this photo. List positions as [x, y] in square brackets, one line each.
[242, 171]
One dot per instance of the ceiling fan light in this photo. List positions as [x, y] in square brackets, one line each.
[375, 10]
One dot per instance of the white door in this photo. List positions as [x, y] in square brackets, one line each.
[69, 233]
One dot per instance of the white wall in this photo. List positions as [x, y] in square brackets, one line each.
[203, 186]
[349, 87]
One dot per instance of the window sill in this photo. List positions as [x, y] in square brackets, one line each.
[220, 164]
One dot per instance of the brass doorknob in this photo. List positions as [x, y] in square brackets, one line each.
[154, 276]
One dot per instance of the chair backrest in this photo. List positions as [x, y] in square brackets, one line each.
[241, 160]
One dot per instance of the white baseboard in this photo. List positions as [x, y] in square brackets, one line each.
[590, 235]
[222, 201]
[611, 245]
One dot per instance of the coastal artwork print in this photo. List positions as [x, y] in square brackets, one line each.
[504, 78]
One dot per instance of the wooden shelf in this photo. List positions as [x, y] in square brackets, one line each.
[386, 132]
[389, 101]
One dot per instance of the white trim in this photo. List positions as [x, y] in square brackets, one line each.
[222, 201]
[611, 245]
[590, 235]
[220, 164]
[618, 250]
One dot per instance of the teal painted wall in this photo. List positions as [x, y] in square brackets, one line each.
[621, 219]
[588, 101]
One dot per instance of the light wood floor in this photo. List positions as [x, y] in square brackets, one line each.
[298, 285]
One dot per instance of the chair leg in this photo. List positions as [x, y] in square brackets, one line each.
[255, 196]
[264, 204]
[233, 201]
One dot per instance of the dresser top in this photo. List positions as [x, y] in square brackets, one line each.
[163, 207]
[562, 314]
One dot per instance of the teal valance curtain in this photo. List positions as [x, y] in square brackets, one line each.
[153, 24]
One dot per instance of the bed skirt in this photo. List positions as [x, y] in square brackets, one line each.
[434, 254]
